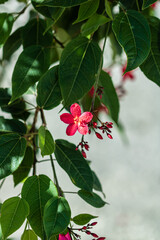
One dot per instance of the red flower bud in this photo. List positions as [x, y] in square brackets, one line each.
[94, 235]
[101, 238]
[94, 124]
[86, 147]
[109, 136]
[93, 224]
[84, 228]
[98, 135]
[88, 232]
[89, 132]
[84, 154]
[76, 148]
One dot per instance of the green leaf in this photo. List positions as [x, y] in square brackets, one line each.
[151, 66]
[12, 149]
[147, 3]
[93, 24]
[96, 183]
[51, 12]
[109, 96]
[74, 164]
[108, 9]
[83, 219]
[12, 125]
[28, 70]
[48, 90]
[12, 44]
[6, 23]
[37, 190]
[57, 216]
[86, 10]
[46, 141]
[36, 28]
[131, 4]
[5, 96]
[29, 235]
[78, 66]
[23, 170]
[3, 1]
[133, 33]
[91, 198]
[59, 3]
[13, 213]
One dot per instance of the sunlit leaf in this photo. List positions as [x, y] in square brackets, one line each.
[83, 218]
[12, 125]
[91, 198]
[29, 235]
[6, 23]
[46, 141]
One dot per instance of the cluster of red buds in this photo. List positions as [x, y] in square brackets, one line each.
[104, 127]
[83, 145]
[86, 229]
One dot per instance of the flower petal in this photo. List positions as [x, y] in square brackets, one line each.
[71, 129]
[75, 110]
[68, 236]
[66, 118]
[86, 117]
[83, 129]
[62, 237]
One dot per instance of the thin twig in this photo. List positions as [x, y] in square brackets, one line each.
[55, 176]
[69, 192]
[45, 160]
[138, 5]
[60, 43]
[43, 117]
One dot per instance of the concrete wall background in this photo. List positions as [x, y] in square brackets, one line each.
[129, 171]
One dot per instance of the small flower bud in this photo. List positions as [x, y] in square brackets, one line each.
[98, 135]
[93, 224]
[109, 136]
[76, 148]
[94, 124]
[88, 232]
[84, 154]
[86, 147]
[89, 132]
[84, 228]
[94, 235]
[101, 238]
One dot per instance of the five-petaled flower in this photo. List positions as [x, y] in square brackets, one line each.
[64, 237]
[76, 120]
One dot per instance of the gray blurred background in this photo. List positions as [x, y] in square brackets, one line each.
[128, 166]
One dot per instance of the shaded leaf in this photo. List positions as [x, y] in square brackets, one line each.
[86, 10]
[96, 183]
[78, 66]
[60, 3]
[151, 66]
[6, 23]
[46, 141]
[36, 28]
[12, 125]
[83, 219]
[23, 170]
[57, 216]
[13, 213]
[48, 90]
[108, 8]
[37, 190]
[147, 3]
[12, 44]
[133, 33]
[74, 164]
[12, 149]
[93, 24]
[30, 66]
[109, 96]
[91, 198]
[29, 235]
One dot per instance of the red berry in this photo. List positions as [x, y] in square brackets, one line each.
[98, 135]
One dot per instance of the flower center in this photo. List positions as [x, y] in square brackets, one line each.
[76, 120]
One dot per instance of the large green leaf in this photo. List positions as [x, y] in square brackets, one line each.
[87, 9]
[37, 190]
[96, 183]
[57, 216]
[36, 28]
[83, 218]
[151, 66]
[12, 44]
[78, 66]
[51, 12]
[91, 198]
[12, 125]
[13, 213]
[12, 149]
[147, 3]
[48, 90]
[46, 141]
[133, 33]
[23, 170]
[29, 235]
[6, 23]
[30, 66]
[59, 3]
[74, 164]
[109, 96]
[131, 4]
[93, 24]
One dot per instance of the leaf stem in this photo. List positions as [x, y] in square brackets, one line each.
[99, 69]
[138, 5]
[43, 117]
[69, 192]
[55, 176]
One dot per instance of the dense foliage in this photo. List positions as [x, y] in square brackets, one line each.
[61, 59]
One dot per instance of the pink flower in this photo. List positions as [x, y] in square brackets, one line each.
[76, 120]
[64, 237]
